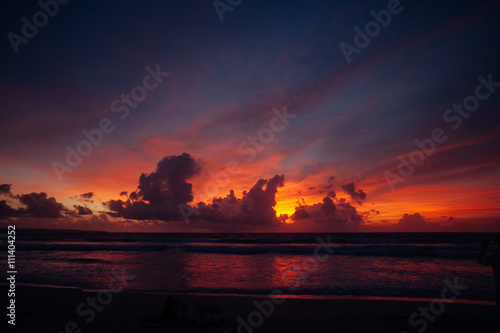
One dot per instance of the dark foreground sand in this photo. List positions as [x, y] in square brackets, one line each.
[44, 309]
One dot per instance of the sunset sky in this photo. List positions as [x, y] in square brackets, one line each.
[263, 103]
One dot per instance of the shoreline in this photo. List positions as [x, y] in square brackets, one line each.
[287, 296]
[50, 309]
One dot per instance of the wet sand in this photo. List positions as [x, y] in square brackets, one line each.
[49, 309]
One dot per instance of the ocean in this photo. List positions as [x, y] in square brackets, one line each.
[381, 265]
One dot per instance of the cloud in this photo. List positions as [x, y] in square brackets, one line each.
[413, 221]
[458, 224]
[350, 189]
[37, 205]
[40, 205]
[123, 193]
[6, 210]
[161, 192]
[255, 208]
[258, 205]
[222, 210]
[328, 212]
[328, 186]
[87, 195]
[83, 210]
[5, 189]
[84, 197]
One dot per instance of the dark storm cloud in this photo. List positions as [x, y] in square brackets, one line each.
[412, 221]
[37, 205]
[161, 192]
[459, 225]
[84, 197]
[222, 210]
[328, 207]
[256, 207]
[40, 205]
[87, 195]
[350, 189]
[6, 210]
[123, 193]
[328, 212]
[168, 182]
[348, 214]
[301, 211]
[83, 210]
[5, 189]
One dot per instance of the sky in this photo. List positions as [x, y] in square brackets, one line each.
[250, 116]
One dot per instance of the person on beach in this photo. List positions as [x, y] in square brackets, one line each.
[492, 259]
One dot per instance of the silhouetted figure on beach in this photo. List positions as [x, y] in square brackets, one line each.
[492, 259]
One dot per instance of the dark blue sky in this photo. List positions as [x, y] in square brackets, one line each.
[353, 120]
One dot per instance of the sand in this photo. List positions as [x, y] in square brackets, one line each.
[49, 309]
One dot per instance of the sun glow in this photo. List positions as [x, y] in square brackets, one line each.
[285, 207]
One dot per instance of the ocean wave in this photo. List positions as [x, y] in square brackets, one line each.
[378, 250]
[88, 247]
[407, 294]
[84, 260]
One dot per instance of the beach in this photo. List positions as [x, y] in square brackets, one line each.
[50, 309]
[76, 282]
[237, 166]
